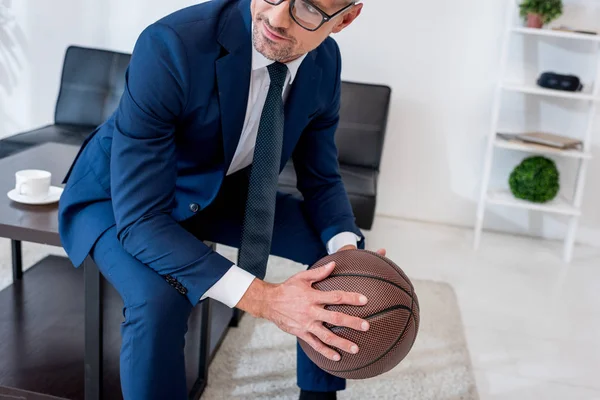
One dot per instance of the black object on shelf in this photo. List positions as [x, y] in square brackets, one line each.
[552, 80]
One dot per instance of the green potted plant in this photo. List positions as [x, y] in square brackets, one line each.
[535, 179]
[537, 13]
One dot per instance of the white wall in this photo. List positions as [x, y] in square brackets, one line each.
[440, 57]
[49, 27]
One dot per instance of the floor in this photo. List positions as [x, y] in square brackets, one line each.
[531, 321]
[257, 361]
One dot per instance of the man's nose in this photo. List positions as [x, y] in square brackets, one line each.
[279, 16]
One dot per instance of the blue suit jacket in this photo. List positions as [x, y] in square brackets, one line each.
[165, 151]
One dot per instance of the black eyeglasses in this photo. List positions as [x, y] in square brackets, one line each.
[308, 15]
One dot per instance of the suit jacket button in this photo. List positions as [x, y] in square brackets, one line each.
[194, 207]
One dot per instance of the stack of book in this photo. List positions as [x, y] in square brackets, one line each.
[544, 139]
[573, 30]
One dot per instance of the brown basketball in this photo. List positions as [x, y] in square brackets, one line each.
[392, 312]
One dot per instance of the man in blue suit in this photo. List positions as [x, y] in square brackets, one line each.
[218, 97]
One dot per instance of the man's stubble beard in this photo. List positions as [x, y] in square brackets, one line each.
[268, 48]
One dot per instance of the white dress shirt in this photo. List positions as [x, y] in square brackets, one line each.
[232, 286]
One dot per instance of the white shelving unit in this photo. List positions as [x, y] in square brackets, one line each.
[502, 197]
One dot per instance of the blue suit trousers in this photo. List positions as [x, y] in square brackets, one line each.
[155, 314]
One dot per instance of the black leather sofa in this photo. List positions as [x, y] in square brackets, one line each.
[92, 82]
[91, 85]
[359, 139]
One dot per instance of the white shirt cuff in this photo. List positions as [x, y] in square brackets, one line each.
[230, 289]
[340, 240]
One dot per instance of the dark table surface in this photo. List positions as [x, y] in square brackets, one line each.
[33, 223]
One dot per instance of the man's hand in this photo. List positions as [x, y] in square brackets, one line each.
[381, 252]
[299, 309]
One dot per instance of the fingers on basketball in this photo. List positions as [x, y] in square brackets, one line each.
[318, 274]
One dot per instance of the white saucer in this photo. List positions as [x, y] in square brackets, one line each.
[52, 197]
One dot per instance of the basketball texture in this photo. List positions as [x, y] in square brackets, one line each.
[392, 312]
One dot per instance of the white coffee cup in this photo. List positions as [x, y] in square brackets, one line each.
[33, 183]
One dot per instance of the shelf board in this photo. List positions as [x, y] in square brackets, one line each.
[540, 91]
[537, 148]
[557, 34]
[505, 198]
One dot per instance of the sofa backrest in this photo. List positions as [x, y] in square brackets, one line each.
[363, 121]
[91, 86]
[93, 81]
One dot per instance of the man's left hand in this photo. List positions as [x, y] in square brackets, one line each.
[381, 252]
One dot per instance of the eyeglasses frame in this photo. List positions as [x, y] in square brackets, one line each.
[326, 17]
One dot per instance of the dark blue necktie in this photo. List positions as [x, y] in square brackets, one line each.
[257, 230]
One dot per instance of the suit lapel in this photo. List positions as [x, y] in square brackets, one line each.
[233, 75]
[301, 102]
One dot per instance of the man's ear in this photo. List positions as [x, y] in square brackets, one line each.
[347, 18]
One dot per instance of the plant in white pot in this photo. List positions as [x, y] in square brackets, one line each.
[537, 13]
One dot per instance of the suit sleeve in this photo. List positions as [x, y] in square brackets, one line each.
[317, 170]
[144, 165]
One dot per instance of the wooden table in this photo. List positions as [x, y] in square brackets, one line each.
[59, 326]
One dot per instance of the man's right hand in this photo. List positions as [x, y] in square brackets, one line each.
[299, 309]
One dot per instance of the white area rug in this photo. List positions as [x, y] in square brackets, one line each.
[258, 361]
